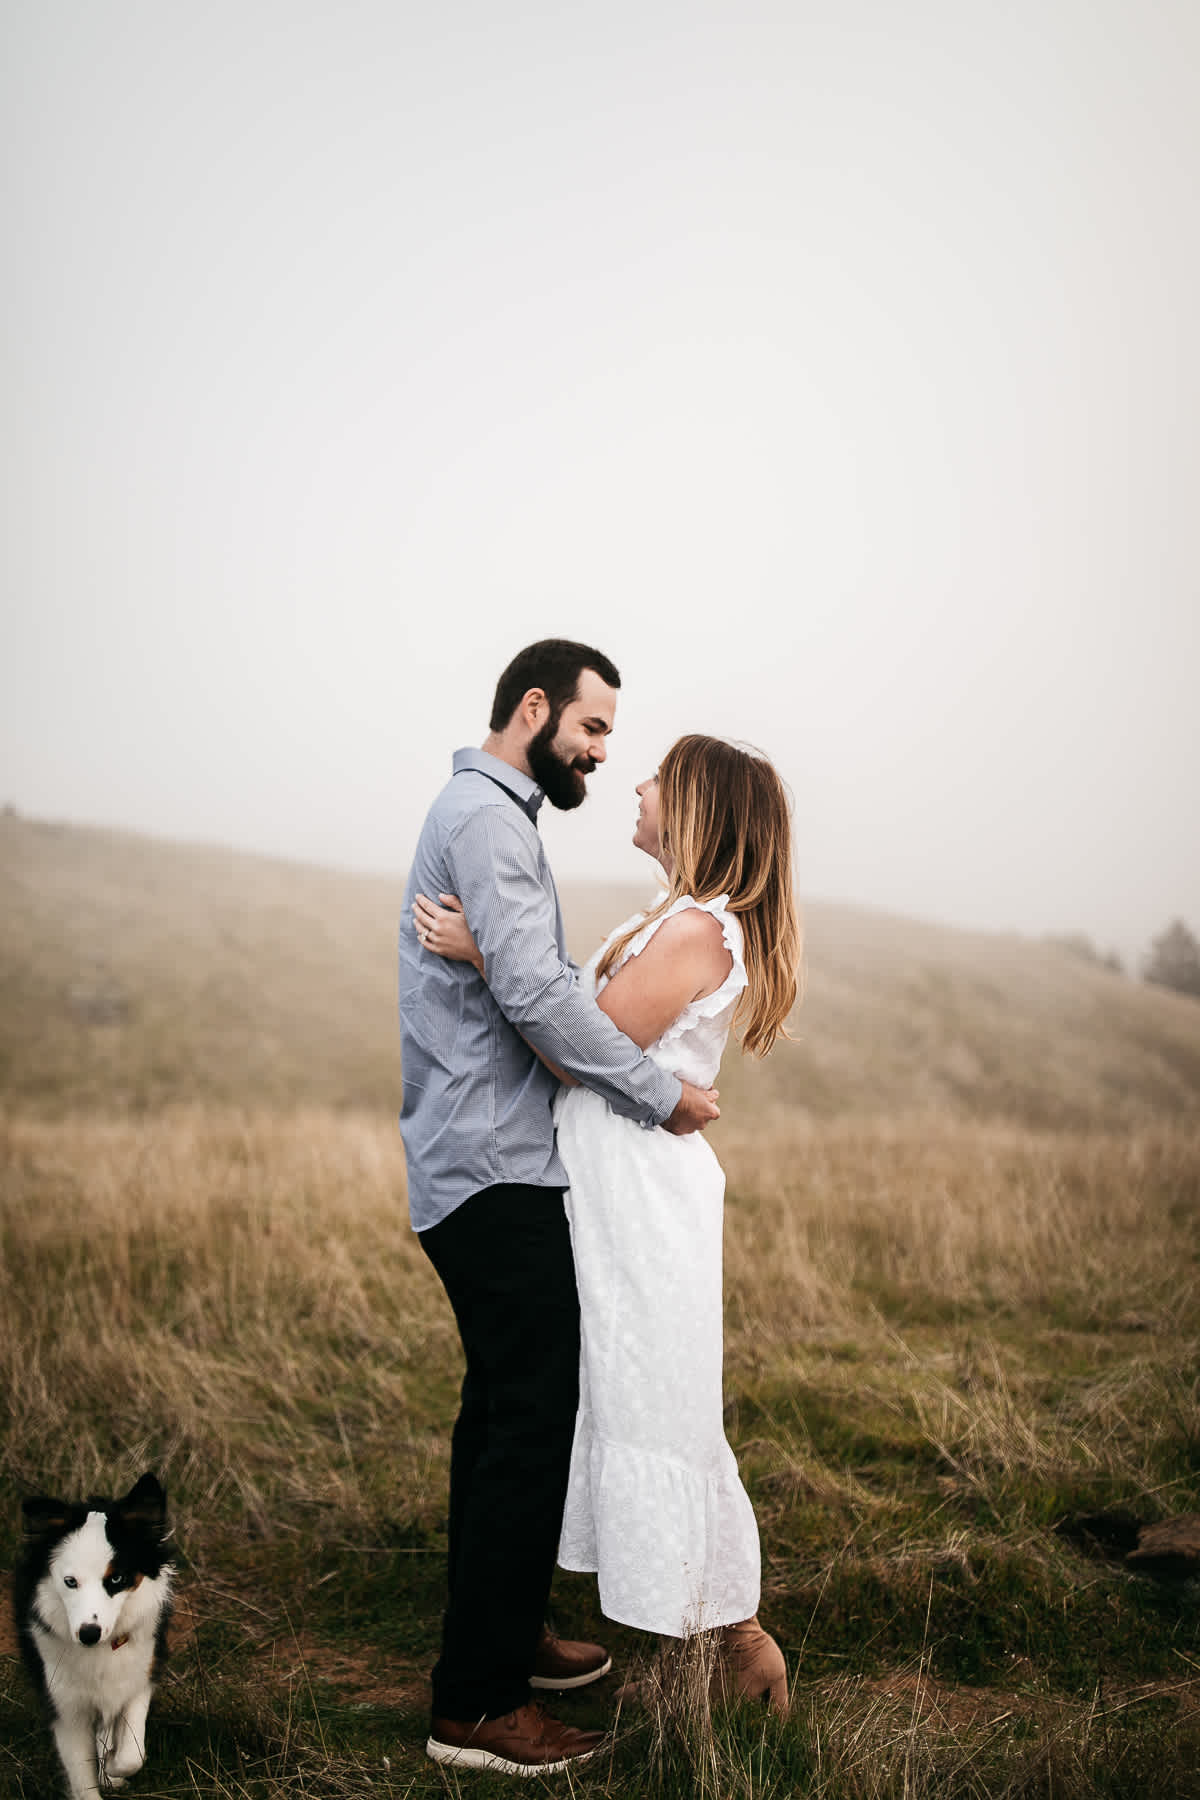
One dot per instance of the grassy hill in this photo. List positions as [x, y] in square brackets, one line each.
[136, 972]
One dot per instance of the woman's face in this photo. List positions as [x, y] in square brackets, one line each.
[646, 832]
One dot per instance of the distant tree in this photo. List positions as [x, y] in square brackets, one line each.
[1077, 943]
[1174, 960]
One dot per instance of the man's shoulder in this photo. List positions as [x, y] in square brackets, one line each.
[472, 822]
[470, 794]
[467, 792]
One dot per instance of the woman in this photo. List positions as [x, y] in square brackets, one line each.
[654, 1504]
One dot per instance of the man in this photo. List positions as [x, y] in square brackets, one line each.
[486, 1193]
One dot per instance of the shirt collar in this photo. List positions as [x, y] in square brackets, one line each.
[523, 788]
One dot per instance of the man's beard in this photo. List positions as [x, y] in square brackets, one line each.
[562, 783]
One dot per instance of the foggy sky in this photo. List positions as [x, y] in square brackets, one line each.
[834, 369]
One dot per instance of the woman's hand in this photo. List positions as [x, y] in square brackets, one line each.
[444, 930]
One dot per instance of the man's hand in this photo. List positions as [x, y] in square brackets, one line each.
[697, 1108]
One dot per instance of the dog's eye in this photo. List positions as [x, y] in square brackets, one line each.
[113, 1582]
[70, 1581]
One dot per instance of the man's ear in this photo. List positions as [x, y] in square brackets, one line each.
[534, 708]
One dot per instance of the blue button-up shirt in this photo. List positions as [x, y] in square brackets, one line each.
[477, 1101]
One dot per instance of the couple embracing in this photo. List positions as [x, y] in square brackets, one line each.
[560, 1184]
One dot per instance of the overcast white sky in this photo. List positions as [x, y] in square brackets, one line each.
[835, 368]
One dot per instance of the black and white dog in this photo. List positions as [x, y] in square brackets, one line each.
[92, 1598]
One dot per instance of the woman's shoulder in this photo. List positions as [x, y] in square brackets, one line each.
[708, 933]
[690, 923]
[707, 917]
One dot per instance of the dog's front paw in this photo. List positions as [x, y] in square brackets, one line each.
[118, 1769]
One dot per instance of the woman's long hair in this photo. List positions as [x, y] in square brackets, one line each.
[725, 823]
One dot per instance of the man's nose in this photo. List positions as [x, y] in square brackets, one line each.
[597, 751]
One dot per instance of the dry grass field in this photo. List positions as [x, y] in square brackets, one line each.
[963, 1311]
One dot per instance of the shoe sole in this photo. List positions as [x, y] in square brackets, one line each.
[464, 1757]
[571, 1681]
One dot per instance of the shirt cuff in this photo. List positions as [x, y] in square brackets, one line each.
[663, 1113]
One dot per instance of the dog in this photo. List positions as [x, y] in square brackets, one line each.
[92, 1601]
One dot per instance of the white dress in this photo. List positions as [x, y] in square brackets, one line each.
[654, 1503]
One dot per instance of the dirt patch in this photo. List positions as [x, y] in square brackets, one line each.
[931, 1702]
[358, 1677]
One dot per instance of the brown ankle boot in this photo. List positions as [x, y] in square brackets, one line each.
[750, 1666]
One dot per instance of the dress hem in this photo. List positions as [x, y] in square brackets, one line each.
[655, 1626]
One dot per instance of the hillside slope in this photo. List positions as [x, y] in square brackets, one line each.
[136, 973]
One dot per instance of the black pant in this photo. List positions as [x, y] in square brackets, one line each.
[504, 1258]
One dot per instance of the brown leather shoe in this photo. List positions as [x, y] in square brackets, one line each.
[560, 1663]
[524, 1742]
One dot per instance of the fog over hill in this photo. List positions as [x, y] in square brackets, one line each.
[137, 973]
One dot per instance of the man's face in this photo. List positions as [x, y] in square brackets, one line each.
[566, 750]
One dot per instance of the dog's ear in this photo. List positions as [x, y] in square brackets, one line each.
[43, 1515]
[146, 1502]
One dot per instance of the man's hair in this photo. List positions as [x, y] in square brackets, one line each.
[554, 665]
